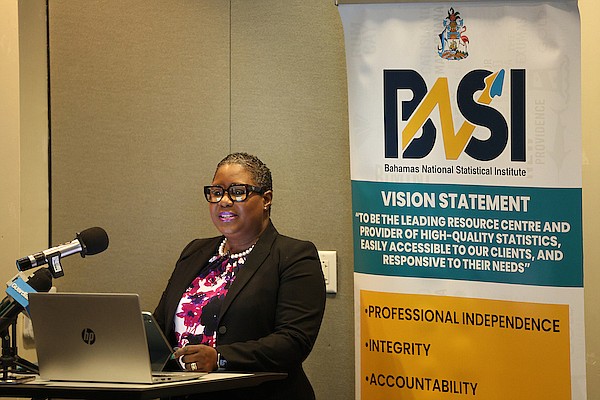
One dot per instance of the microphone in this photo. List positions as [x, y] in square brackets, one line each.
[17, 295]
[89, 242]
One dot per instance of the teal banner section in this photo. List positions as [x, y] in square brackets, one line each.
[519, 235]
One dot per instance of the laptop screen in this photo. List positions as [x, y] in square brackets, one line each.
[158, 346]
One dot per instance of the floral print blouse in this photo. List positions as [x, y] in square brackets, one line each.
[197, 314]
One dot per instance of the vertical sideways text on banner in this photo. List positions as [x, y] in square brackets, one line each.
[465, 150]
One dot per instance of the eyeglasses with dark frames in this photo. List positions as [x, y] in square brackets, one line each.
[237, 192]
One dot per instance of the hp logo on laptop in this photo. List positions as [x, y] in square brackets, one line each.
[88, 336]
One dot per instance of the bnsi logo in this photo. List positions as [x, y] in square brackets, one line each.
[474, 95]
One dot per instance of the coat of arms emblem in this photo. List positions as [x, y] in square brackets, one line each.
[453, 42]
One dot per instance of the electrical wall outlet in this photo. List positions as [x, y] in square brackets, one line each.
[329, 267]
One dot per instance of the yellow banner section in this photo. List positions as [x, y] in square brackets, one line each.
[439, 347]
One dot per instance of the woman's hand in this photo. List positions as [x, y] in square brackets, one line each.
[198, 357]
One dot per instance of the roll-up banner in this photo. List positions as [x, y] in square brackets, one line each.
[465, 142]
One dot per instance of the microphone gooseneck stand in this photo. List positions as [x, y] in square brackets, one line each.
[14, 368]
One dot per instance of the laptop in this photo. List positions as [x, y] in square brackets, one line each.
[98, 337]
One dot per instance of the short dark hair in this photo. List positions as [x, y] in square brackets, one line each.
[259, 170]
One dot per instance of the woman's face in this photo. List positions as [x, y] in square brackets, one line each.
[240, 222]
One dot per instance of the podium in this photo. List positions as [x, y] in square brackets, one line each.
[208, 384]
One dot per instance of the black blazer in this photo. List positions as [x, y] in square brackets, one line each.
[271, 314]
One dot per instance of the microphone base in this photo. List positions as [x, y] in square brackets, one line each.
[14, 379]
[14, 369]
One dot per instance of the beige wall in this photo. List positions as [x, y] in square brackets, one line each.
[23, 130]
[590, 95]
[23, 135]
[144, 103]
[10, 179]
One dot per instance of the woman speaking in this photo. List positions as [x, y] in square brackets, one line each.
[251, 299]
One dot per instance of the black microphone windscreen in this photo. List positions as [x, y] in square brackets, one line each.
[95, 240]
[41, 280]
